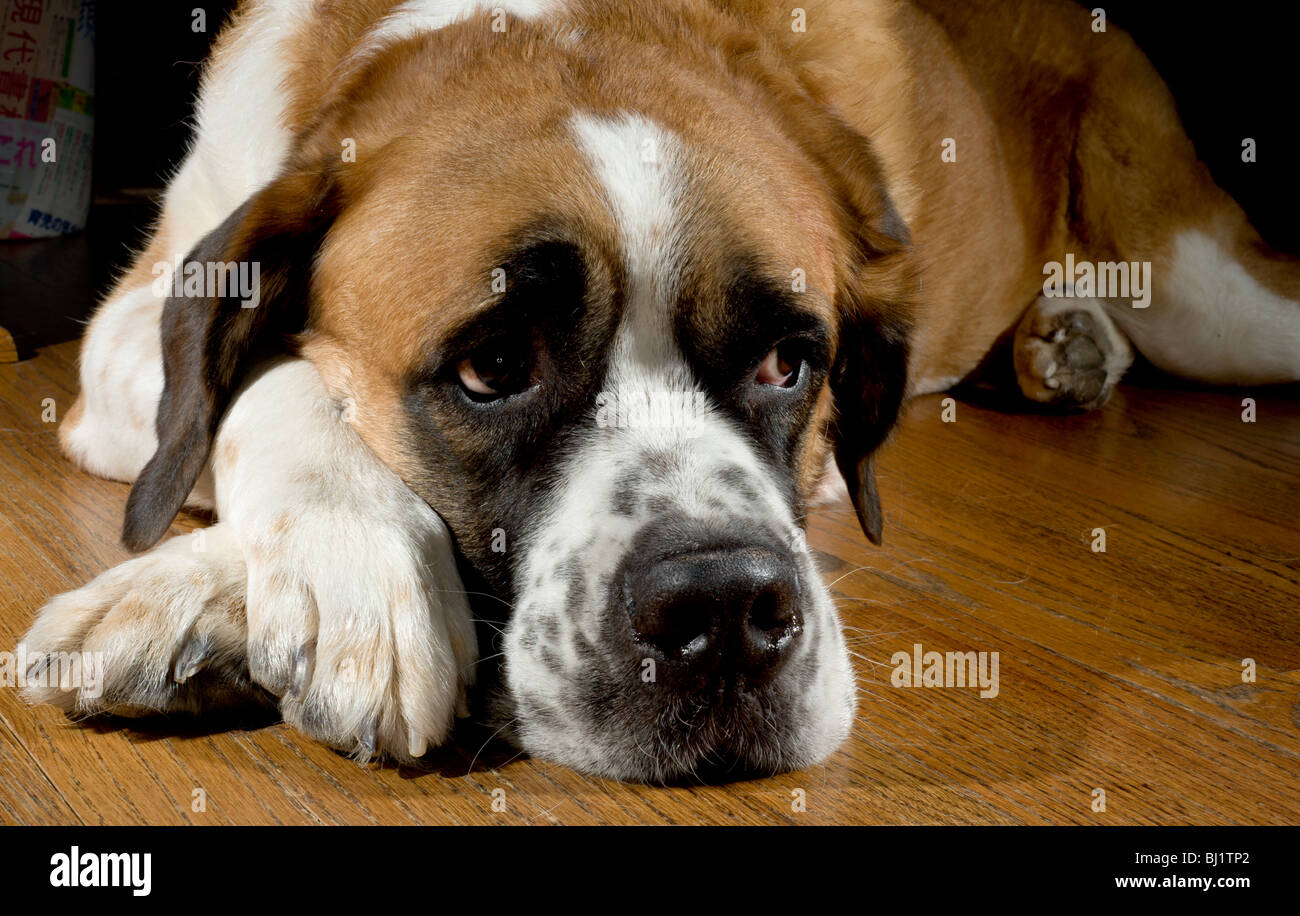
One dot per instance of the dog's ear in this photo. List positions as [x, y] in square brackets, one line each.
[209, 341]
[869, 376]
[868, 383]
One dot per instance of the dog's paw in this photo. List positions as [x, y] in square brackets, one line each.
[162, 633]
[358, 621]
[1069, 356]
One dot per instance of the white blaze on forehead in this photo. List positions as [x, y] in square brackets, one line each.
[638, 164]
[416, 16]
[641, 168]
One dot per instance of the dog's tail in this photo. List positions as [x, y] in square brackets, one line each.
[1220, 306]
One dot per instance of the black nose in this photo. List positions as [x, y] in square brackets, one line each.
[717, 611]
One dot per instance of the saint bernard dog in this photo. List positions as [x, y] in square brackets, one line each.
[489, 236]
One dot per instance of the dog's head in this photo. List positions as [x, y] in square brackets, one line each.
[611, 327]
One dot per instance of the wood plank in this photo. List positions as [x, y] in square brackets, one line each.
[1119, 670]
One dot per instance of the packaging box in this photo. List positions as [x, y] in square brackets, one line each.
[47, 84]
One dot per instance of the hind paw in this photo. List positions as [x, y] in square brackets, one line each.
[1069, 354]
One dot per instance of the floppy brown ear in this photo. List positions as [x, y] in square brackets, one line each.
[869, 377]
[209, 342]
[869, 382]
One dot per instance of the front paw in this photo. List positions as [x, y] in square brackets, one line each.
[162, 633]
[358, 621]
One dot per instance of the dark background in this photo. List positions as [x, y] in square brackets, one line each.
[1231, 66]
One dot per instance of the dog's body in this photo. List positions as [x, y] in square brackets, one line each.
[867, 192]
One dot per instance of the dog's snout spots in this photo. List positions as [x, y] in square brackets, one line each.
[659, 506]
[550, 659]
[736, 479]
[627, 491]
[550, 627]
[574, 577]
[714, 504]
[659, 462]
[624, 502]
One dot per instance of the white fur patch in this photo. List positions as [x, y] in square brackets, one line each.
[417, 16]
[121, 381]
[638, 164]
[1211, 320]
[241, 139]
[935, 383]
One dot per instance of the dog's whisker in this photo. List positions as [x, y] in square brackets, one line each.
[489, 740]
[461, 591]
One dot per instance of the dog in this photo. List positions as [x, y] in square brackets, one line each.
[493, 240]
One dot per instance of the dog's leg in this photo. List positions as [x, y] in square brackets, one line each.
[161, 633]
[1069, 353]
[1223, 307]
[1223, 310]
[355, 614]
[356, 611]
[239, 144]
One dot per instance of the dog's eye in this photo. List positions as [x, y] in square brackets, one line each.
[780, 368]
[495, 371]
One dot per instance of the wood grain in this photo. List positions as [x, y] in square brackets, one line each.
[1119, 670]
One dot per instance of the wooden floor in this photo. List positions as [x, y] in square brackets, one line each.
[1119, 671]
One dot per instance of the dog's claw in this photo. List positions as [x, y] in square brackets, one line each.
[419, 745]
[190, 660]
[368, 742]
[303, 666]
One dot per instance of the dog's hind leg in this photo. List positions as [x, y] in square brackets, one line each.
[109, 430]
[1223, 307]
